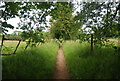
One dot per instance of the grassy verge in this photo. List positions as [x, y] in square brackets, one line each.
[34, 63]
[102, 64]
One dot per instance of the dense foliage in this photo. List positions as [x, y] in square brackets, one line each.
[101, 19]
[62, 23]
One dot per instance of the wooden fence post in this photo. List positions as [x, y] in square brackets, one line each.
[27, 45]
[2, 43]
[17, 47]
[91, 44]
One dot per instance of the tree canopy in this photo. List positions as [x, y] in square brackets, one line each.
[99, 18]
[62, 22]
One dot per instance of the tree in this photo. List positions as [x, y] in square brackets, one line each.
[8, 10]
[31, 14]
[32, 20]
[99, 19]
[62, 22]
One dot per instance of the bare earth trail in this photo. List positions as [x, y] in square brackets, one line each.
[61, 71]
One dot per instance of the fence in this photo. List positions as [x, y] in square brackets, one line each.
[2, 44]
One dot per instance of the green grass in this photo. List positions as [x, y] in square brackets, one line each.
[102, 64]
[9, 46]
[34, 63]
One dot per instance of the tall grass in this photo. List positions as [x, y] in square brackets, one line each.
[102, 64]
[34, 63]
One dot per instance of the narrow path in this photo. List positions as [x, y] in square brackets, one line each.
[61, 71]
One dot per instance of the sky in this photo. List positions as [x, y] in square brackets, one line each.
[14, 22]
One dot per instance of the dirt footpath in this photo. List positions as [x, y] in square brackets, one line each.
[61, 71]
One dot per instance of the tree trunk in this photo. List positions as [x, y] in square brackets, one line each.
[91, 44]
[17, 47]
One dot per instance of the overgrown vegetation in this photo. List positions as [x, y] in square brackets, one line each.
[91, 23]
[34, 63]
[102, 64]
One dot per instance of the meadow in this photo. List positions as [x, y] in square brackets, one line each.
[103, 63]
[34, 63]
[10, 45]
[39, 62]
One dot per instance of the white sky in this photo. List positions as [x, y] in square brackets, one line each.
[14, 22]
